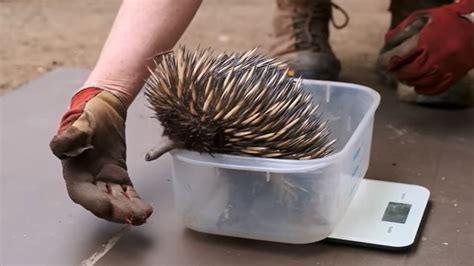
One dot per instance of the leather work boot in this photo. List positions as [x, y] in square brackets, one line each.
[301, 32]
[459, 96]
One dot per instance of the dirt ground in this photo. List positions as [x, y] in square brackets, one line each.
[40, 35]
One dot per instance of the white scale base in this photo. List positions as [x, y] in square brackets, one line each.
[383, 214]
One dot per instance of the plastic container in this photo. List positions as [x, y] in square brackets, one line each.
[281, 200]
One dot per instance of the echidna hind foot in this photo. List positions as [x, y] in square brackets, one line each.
[240, 104]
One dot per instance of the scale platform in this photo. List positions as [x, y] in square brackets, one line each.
[383, 214]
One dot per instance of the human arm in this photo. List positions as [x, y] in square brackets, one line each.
[91, 138]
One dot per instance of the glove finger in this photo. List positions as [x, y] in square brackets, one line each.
[112, 173]
[441, 87]
[123, 209]
[82, 190]
[127, 205]
[102, 186]
[429, 80]
[105, 200]
[400, 55]
[91, 198]
[144, 209]
[126, 209]
[76, 128]
[405, 30]
[415, 68]
[75, 139]
[401, 43]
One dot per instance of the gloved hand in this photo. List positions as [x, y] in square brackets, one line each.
[91, 145]
[432, 49]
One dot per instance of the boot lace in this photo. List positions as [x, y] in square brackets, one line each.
[310, 25]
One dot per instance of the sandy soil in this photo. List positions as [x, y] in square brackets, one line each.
[40, 35]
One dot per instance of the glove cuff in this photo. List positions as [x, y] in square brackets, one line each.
[122, 98]
[76, 107]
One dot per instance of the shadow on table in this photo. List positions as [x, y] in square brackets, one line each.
[297, 251]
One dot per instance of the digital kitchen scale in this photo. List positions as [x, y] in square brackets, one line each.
[383, 214]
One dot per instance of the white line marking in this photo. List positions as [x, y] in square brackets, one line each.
[104, 248]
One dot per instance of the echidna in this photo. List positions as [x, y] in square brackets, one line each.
[241, 104]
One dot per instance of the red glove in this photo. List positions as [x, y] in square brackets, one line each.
[91, 145]
[432, 49]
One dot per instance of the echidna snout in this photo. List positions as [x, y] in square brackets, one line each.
[242, 104]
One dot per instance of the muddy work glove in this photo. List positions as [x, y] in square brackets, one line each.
[432, 49]
[91, 145]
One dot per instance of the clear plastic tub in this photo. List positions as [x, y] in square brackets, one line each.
[281, 200]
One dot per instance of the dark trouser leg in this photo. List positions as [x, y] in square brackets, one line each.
[400, 9]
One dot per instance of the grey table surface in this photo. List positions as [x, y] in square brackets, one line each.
[41, 226]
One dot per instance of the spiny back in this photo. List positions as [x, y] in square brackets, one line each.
[242, 104]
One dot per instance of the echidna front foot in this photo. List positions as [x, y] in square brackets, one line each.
[160, 149]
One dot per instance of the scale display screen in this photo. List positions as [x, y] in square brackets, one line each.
[396, 212]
